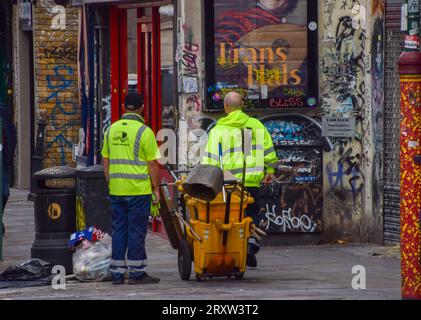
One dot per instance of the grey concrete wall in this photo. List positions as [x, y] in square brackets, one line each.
[351, 85]
[22, 102]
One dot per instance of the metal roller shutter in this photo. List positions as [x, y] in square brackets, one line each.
[393, 48]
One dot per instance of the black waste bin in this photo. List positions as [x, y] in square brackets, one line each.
[55, 215]
[93, 207]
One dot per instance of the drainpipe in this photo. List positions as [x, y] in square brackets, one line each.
[410, 153]
[38, 156]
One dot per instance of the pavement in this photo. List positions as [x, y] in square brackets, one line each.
[287, 272]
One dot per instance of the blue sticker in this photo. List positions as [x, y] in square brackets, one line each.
[311, 101]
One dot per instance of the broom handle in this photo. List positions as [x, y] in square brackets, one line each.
[220, 163]
[243, 178]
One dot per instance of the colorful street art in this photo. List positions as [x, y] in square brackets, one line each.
[294, 201]
[410, 187]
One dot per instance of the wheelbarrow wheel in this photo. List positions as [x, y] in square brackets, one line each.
[184, 260]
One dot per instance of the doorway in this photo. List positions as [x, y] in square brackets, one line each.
[132, 51]
[141, 55]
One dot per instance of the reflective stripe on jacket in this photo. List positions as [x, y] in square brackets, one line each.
[130, 144]
[259, 150]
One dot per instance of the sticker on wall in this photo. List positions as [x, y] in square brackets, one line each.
[413, 144]
[190, 85]
[338, 127]
[311, 101]
[54, 211]
[312, 26]
[412, 42]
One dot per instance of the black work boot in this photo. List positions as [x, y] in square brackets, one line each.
[145, 279]
[251, 256]
[118, 281]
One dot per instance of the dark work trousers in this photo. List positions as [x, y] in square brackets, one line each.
[253, 211]
[130, 225]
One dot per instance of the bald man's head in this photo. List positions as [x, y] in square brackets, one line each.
[233, 102]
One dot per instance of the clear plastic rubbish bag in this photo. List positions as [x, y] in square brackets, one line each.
[91, 260]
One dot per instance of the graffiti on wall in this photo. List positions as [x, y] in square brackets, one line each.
[345, 175]
[106, 107]
[189, 59]
[294, 201]
[377, 77]
[342, 66]
[59, 84]
[60, 53]
[193, 103]
[56, 54]
[345, 91]
[187, 56]
[293, 131]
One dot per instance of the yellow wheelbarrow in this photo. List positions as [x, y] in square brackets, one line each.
[215, 234]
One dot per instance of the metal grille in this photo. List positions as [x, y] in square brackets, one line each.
[393, 48]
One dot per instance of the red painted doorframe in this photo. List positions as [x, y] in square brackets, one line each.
[149, 66]
[156, 71]
[118, 57]
[149, 75]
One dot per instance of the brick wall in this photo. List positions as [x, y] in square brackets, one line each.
[56, 80]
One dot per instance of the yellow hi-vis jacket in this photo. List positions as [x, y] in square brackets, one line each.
[226, 138]
[130, 144]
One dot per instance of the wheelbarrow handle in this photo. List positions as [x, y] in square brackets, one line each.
[259, 231]
[189, 227]
[223, 226]
[255, 235]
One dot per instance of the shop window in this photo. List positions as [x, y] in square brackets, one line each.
[264, 49]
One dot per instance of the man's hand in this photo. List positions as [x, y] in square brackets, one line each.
[157, 195]
[153, 167]
[106, 163]
[269, 178]
[155, 206]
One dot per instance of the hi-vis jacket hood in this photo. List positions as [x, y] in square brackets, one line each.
[236, 119]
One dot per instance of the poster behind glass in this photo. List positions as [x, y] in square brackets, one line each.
[260, 49]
